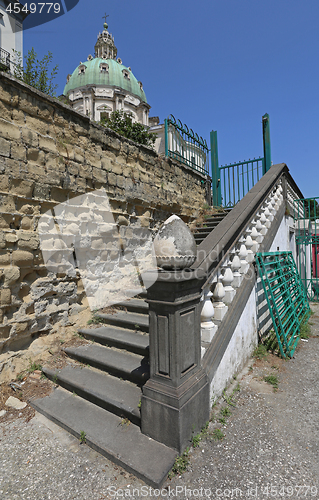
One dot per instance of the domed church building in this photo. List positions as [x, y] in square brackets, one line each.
[102, 84]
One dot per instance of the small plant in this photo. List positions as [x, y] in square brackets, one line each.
[139, 404]
[272, 380]
[237, 388]
[196, 440]
[136, 326]
[222, 420]
[125, 422]
[218, 435]
[260, 352]
[82, 437]
[180, 464]
[305, 330]
[62, 341]
[34, 366]
[95, 320]
[225, 412]
[55, 378]
[20, 376]
[250, 368]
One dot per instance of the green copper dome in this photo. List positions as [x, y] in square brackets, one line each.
[113, 77]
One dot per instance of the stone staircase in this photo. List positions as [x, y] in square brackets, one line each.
[209, 225]
[100, 394]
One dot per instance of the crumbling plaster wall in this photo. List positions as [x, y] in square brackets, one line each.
[50, 154]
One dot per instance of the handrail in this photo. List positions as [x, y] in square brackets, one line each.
[215, 246]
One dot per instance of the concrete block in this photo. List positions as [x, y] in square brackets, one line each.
[30, 137]
[11, 275]
[22, 188]
[4, 146]
[5, 297]
[22, 258]
[9, 131]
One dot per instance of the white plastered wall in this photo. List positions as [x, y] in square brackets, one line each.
[245, 337]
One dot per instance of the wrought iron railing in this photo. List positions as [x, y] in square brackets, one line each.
[230, 183]
[238, 178]
[184, 145]
[4, 59]
[306, 218]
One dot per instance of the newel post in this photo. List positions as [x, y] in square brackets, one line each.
[175, 401]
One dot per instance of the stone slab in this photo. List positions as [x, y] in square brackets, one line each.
[122, 443]
[118, 396]
[134, 321]
[129, 366]
[119, 337]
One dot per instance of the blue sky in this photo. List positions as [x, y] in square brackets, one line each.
[215, 65]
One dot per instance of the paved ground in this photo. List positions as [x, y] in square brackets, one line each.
[270, 448]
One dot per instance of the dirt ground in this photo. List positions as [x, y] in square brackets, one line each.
[262, 442]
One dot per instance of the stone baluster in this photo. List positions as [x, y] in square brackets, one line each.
[208, 328]
[235, 267]
[269, 217]
[259, 228]
[219, 306]
[263, 222]
[255, 236]
[271, 206]
[243, 252]
[249, 243]
[227, 280]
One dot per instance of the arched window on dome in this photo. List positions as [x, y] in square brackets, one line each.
[82, 69]
[104, 68]
[126, 74]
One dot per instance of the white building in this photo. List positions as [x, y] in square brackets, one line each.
[102, 84]
[11, 32]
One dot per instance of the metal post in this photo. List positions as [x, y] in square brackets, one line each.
[166, 137]
[217, 198]
[266, 143]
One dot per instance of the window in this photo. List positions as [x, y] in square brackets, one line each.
[126, 74]
[104, 68]
[82, 69]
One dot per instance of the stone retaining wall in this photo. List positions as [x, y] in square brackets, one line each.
[49, 155]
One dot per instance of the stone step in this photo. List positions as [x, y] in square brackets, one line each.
[204, 228]
[133, 321]
[119, 363]
[202, 235]
[135, 305]
[118, 337]
[117, 396]
[120, 441]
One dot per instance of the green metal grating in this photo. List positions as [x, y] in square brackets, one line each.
[286, 297]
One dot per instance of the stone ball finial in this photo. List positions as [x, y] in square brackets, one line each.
[174, 244]
[105, 26]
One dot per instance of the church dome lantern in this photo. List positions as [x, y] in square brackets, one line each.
[104, 84]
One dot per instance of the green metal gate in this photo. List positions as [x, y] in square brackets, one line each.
[286, 297]
[306, 218]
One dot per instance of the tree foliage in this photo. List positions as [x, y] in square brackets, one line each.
[36, 72]
[122, 123]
